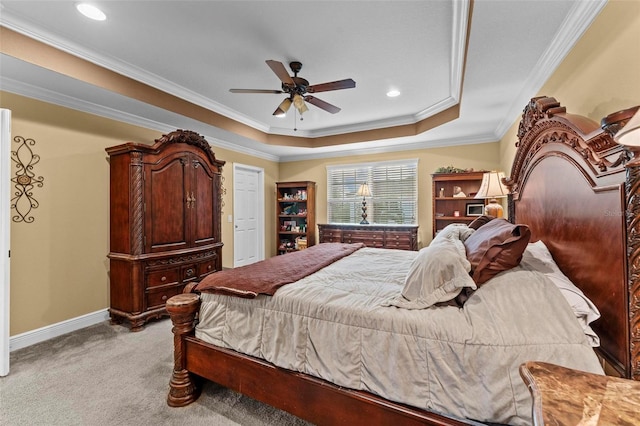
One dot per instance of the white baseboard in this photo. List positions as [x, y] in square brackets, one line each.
[32, 337]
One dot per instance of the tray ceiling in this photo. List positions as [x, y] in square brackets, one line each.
[464, 69]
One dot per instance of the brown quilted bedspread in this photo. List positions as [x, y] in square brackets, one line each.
[266, 276]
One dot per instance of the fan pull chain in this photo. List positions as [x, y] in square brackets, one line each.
[295, 118]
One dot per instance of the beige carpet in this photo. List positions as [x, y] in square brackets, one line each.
[106, 375]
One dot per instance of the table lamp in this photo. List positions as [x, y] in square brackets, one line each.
[364, 192]
[493, 188]
[629, 135]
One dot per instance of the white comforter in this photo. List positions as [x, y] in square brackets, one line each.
[461, 362]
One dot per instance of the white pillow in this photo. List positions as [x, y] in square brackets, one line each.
[437, 274]
[456, 231]
[584, 309]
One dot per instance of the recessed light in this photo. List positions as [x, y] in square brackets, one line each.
[91, 12]
[393, 93]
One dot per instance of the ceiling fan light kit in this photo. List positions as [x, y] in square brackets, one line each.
[297, 89]
[282, 109]
[298, 102]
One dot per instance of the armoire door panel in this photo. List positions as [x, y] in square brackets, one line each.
[168, 205]
[204, 217]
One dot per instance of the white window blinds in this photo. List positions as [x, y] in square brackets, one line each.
[393, 186]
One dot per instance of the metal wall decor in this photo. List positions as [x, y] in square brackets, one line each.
[25, 180]
[222, 192]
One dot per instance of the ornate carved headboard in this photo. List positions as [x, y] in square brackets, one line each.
[579, 193]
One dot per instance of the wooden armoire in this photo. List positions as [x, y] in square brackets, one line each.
[165, 217]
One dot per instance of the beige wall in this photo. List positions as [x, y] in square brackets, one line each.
[478, 157]
[59, 268]
[600, 75]
[58, 263]
[271, 173]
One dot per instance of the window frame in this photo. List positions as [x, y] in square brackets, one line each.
[389, 204]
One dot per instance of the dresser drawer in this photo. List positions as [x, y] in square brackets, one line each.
[330, 235]
[332, 239]
[399, 244]
[399, 237]
[373, 243]
[157, 297]
[399, 240]
[163, 277]
[368, 238]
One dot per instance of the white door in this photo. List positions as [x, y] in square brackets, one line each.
[248, 211]
[5, 227]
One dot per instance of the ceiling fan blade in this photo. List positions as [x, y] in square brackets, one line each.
[255, 91]
[280, 71]
[322, 104]
[334, 85]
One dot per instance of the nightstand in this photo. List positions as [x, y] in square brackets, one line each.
[562, 396]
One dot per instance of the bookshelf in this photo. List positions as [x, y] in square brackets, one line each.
[295, 213]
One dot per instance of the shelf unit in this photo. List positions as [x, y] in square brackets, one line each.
[444, 207]
[296, 215]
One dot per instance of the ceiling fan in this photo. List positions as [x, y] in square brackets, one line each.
[298, 88]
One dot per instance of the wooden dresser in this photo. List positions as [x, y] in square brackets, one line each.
[402, 237]
[165, 222]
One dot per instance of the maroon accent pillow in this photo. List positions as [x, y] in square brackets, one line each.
[481, 220]
[495, 247]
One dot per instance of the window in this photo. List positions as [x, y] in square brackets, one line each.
[393, 186]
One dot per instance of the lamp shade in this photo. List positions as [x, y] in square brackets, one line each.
[492, 186]
[282, 109]
[630, 134]
[298, 102]
[364, 191]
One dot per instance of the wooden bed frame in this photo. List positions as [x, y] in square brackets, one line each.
[577, 190]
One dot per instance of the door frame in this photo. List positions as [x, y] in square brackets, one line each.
[5, 238]
[260, 214]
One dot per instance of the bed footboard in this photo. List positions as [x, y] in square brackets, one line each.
[182, 308]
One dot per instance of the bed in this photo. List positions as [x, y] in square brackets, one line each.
[571, 187]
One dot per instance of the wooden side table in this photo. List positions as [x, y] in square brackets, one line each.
[562, 396]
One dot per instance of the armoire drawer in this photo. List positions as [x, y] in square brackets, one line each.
[189, 272]
[205, 268]
[158, 296]
[163, 277]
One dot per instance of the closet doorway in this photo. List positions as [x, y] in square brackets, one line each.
[248, 214]
[5, 239]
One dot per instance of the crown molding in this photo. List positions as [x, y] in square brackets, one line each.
[50, 96]
[409, 146]
[460, 24]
